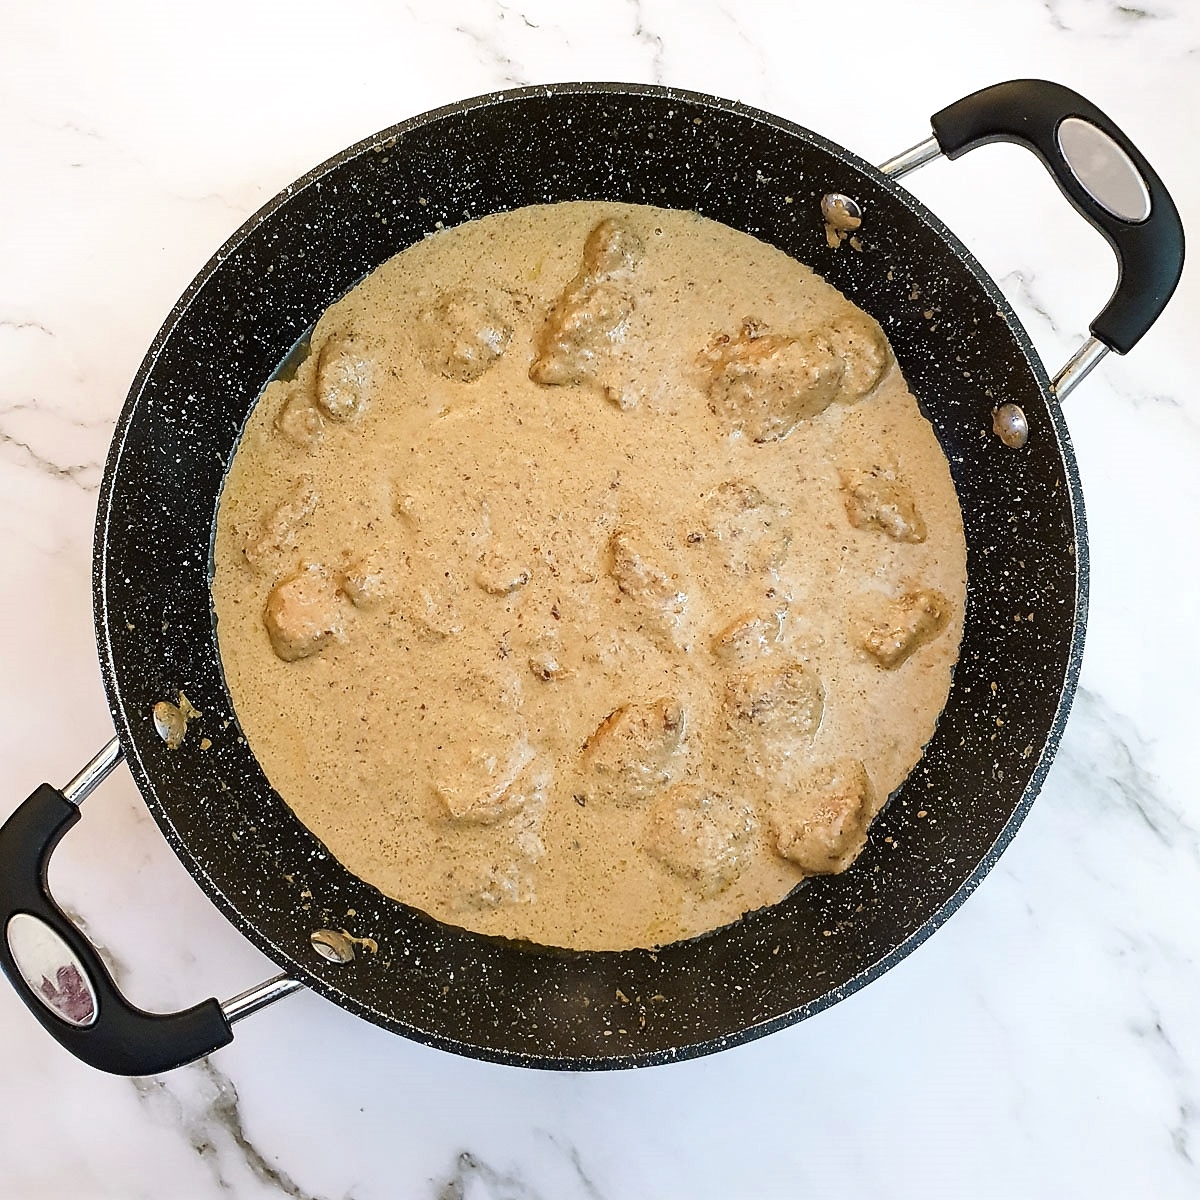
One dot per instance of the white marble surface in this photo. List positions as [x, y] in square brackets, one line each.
[1045, 1043]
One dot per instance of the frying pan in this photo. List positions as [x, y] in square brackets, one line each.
[965, 356]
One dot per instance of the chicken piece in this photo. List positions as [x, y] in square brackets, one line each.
[636, 574]
[775, 710]
[407, 508]
[278, 531]
[654, 590]
[765, 384]
[479, 770]
[546, 659]
[748, 531]
[503, 883]
[590, 316]
[748, 637]
[501, 575]
[463, 334]
[635, 751]
[364, 584]
[343, 381]
[547, 665]
[862, 346]
[821, 825]
[611, 249]
[300, 421]
[303, 613]
[430, 600]
[491, 860]
[904, 625]
[703, 837]
[876, 499]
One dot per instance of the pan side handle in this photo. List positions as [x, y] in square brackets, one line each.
[1103, 175]
[57, 971]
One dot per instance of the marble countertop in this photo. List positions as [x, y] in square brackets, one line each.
[1046, 1042]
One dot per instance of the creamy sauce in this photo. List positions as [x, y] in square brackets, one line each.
[595, 579]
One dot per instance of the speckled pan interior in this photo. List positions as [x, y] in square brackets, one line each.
[963, 352]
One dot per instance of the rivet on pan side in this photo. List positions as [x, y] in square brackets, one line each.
[1010, 426]
[171, 720]
[842, 212]
[331, 944]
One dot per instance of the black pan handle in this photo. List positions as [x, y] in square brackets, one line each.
[59, 974]
[1104, 176]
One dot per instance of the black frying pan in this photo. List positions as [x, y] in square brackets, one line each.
[525, 1004]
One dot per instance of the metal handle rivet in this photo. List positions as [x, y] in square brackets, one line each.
[1010, 425]
[333, 945]
[842, 212]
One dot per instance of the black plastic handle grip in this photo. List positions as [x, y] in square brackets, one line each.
[120, 1038]
[1149, 252]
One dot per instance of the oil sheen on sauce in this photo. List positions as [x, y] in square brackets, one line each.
[594, 580]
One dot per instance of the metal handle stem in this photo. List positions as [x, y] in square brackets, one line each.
[916, 156]
[247, 1003]
[1077, 368]
[94, 774]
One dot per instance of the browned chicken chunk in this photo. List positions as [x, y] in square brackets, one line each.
[500, 574]
[821, 826]
[779, 705]
[701, 836]
[343, 381]
[748, 637]
[300, 421]
[640, 574]
[904, 625]
[875, 499]
[480, 769]
[303, 613]
[862, 346]
[590, 316]
[364, 583]
[765, 384]
[747, 530]
[635, 751]
[464, 333]
[278, 531]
